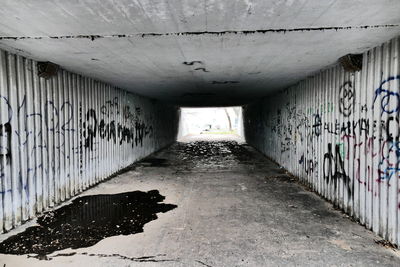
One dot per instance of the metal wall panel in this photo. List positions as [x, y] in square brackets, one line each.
[339, 133]
[62, 135]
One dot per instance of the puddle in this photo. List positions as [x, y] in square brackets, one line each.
[86, 221]
[283, 178]
[279, 170]
[154, 162]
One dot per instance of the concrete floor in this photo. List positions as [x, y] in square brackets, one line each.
[235, 208]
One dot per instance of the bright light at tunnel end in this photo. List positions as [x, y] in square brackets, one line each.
[221, 121]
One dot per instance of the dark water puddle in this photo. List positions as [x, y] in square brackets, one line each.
[282, 178]
[279, 170]
[86, 221]
[154, 162]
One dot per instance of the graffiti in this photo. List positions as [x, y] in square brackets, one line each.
[388, 94]
[62, 135]
[5, 140]
[81, 133]
[389, 165]
[91, 128]
[58, 122]
[301, 126]
[67, 112]
[286, 144]
[324, 108]
[110, 107]
[5, 103]
[357, 139]
[332, 127]
[391, 126]
[364, 108]
[346, 99]
[360, 126]
[334, 168]
[309, 165]
[115, 131]
[277, 124]
[5, 147]
[317, 126]
[346, 147]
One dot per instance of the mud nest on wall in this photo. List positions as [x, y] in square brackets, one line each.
[351, 62]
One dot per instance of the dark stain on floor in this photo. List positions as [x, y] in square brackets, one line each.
[154, 162]
[283, 178]
[86, 221]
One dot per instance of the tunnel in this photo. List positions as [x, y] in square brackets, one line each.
[99, 165]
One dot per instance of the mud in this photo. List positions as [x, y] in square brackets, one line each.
[212, 153]
[86, 221]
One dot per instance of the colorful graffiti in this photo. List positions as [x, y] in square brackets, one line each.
[339, 132]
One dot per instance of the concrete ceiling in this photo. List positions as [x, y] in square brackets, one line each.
[196, 53]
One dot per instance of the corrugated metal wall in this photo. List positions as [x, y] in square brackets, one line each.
[60, 136]
[339, 133]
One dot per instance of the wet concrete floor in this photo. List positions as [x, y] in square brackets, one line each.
[233, 207]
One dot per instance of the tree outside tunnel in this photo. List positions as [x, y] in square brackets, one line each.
[221, 121]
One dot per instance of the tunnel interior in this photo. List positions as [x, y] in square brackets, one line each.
[90, 88]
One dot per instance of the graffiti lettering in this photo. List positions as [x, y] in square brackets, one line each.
[334, 167]
[389, 96]
[346, 99]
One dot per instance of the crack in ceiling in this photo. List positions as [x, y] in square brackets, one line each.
[196, 33]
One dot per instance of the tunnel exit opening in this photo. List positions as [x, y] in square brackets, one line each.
[211, 123]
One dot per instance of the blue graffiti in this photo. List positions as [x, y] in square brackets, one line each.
[388, 167]
[388, 96]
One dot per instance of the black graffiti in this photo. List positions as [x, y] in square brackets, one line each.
[346, 99]
[91, 128]
[110, 107]
[133, 133]
[317, 126]
[125, 134]
[276, 127]
[81, 133]
[4, 101]
[389, 130]
[51, 116]
[5, 140]
[334, 168]
[308, 164]
[332, 128]
[127, 114]
[286, 144]
[359, 127]
[66, 108]
[364, 108]
[138, 111]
